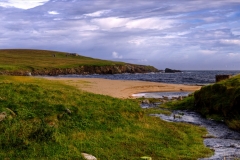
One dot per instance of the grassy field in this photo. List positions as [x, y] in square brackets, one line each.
[50, 120]
[24, 59]
[219, 101]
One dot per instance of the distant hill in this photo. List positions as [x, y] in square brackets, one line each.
[44, 62]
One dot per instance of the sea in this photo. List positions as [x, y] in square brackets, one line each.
[188, 77]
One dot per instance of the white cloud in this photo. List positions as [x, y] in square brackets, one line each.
[129, 23]
[22, 4]
[207, 52]
[150, 23]
[116, 55]
[110, 22]
[230, 41]
[53, 12]
[233, 54]
[97, 13]
[137, 41]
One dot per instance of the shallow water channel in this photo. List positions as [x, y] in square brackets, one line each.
[225, 142]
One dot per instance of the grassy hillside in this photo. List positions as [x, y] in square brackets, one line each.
[220, 101]
[50, 120]
[23, 59]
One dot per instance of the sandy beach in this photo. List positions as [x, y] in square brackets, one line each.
[122, 88]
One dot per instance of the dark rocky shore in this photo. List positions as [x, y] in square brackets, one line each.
[85, 70]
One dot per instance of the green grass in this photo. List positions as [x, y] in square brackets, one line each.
[29, 60]
[219, 101]
[105, 127]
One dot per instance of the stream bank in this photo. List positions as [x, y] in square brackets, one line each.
[225, 142]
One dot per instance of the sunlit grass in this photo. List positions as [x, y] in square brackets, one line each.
[30, 60]
[56, 121]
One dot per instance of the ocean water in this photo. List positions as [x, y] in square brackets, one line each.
[185, 77]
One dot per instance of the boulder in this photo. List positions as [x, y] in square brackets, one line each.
[88, 156]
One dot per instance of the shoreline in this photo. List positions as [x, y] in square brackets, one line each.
[122, 88]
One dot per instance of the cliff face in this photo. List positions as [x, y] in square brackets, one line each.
[84, 70]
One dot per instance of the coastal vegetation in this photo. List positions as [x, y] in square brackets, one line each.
[44, 62]
[219, 101]
[50, 120]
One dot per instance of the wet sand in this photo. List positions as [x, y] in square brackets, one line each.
[122, 88]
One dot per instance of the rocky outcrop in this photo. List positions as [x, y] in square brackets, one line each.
[168, 70]
[84, 70]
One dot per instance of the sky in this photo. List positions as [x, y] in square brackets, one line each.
[177, 34]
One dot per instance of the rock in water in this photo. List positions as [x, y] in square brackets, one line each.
[88, 156]
[168, 70]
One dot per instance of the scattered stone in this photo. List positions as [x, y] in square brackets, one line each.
[68, 111]
[146, 158]
[165, 98]
[208, 136]
[88, 156]
[179, 98]
[177, 116]
[145, 101]
[3, 115]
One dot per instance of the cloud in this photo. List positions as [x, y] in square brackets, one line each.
[132, 23]
[110, 22]
[137, 41]
[98, 13]
[53, 12]
[116, 55]
[234, 55]
[22, 4]
[231, 41]
[173, 34]
[150, 23]
[207, 52]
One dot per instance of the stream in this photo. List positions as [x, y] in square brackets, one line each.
[225, 142]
